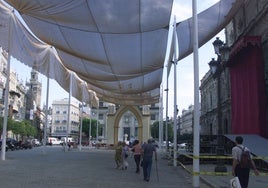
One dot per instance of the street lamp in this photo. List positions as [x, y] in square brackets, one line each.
[216, 67]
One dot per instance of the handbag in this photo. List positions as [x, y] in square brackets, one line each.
[235, 183]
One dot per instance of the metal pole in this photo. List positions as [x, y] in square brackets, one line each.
[97, 131]
[175, 96]
[196, 167]
[69, 109]
[80, 131]
[46, 123]
[166, 137]
[3, 151]
[106, 126]
[81, 120]
[160, 128]
[89, 129]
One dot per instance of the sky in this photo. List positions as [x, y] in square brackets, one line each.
[185, 71]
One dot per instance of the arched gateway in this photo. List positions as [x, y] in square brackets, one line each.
[140, 127]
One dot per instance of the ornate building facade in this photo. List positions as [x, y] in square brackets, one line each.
[33, 102]
[244, 81]
[17, 91]
[248, 64]
[209, 117]
[125, 123]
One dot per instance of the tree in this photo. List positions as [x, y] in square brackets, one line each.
[155, 130]
[16, 128]
[86, 126]
[26, 129]
[23, 128]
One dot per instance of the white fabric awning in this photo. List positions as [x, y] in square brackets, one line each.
[117, 47]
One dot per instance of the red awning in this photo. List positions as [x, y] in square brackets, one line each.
[241, 44]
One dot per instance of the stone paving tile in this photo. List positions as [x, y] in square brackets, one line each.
[51, 167]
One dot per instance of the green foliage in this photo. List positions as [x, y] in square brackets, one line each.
[86, 127]
[23, 128]
[155, 130]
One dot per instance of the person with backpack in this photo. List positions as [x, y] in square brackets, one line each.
[242, 162]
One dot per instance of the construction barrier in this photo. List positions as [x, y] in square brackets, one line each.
[214, 173]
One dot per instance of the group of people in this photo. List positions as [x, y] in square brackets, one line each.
[121, 155]
[142, 154]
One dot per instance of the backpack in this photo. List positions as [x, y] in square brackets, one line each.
[245, 160]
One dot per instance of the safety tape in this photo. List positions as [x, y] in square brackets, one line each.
[221, 173]
[214, 173]
[216, 157]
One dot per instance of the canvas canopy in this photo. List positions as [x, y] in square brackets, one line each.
[117, 48]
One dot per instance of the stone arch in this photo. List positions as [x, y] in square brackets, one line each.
[120, 112]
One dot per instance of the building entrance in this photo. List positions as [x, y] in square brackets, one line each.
[127, 124]
[128, 127]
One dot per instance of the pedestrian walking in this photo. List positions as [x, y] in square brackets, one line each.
[136, 149]
[69, 145]
[239, 168]
[125, 153]
[147, 154]
[118, 155]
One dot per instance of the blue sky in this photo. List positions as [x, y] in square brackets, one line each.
[185, 71]
[185, 85]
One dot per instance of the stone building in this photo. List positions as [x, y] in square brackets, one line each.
[125, 123]
[244, 81]
[33, 95]
[209, 116]
[61, 123]
[17, 99]
[247, 35]
[187, 121]
[17, 91]
[3, 66]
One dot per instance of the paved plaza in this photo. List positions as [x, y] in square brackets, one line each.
[87, 168]
[52, 167]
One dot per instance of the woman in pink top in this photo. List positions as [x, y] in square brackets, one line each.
[136, 149]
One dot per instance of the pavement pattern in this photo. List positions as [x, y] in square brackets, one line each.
[53, 167]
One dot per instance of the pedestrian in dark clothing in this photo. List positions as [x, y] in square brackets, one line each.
[241, 173]
[147, 153]
[69, 145]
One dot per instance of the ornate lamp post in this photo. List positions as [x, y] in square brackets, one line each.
[216, 67]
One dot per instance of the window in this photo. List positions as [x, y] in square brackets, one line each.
[100, 116]
[152, 116]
